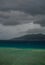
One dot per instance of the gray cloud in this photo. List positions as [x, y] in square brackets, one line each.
[33, 7]
[40, 19]
[8, 32]
[36, 31]
[15, 18]
[4, 14]
[19, 17]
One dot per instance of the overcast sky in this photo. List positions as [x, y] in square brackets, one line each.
[21, 17]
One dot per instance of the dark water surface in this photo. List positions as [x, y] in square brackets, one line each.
[23, 44]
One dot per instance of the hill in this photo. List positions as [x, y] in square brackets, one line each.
[31, 37]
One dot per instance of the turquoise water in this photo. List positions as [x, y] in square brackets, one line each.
[31, 54]
[23, 44]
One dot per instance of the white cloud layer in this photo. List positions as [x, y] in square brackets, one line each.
[8, 32]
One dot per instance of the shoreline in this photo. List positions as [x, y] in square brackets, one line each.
[31, 49]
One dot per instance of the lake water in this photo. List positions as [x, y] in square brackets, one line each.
[23, 44]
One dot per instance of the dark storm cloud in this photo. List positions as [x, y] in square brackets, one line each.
[31, 7]
[14, 18]
[40, 20]
[34, 7]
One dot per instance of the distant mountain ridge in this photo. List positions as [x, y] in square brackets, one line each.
[31, 37]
